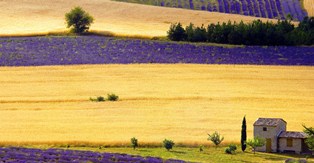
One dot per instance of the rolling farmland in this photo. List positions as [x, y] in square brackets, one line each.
[273, 9]
[33, 17]
[50, 104]
[167, 90]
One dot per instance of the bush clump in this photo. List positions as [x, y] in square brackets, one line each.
[97, 99]
[201, 148]
[112, 97]
[231, 149]
[216, 138]
[134, 143]
[168, 144]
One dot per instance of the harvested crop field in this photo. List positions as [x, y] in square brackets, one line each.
[29, 17]
[50, 104]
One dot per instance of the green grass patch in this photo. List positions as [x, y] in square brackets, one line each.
[189, 154]
[210, 154]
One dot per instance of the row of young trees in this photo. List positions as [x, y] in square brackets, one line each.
[256, 33]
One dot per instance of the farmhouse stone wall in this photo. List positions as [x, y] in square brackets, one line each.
[271, 133]
[296, 145]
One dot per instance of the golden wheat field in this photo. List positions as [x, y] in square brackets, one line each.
[20, 17]
[309, 6]
[181, 102]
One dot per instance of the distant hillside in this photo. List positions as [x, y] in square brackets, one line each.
[278, 9]
[20, 17]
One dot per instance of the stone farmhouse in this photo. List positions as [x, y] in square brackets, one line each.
[278, 139]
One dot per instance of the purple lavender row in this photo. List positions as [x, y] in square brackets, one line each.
[29, 155]
[37, 51]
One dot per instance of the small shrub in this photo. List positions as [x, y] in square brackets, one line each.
[97, 99]
[216, 138]
[134, 143]
[112, 97]
[201, 148]
[231, 149]
[168, 144]
[228, 150]
[100, 98]
[255, 142]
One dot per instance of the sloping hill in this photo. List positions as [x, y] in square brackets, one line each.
[278, 9]
[35, 16]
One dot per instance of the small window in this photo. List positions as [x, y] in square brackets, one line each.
[264, 128]
[289, 142]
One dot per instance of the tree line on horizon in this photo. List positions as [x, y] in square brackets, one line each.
[255, 33]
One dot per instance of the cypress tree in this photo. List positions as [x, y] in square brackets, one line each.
[243, 135]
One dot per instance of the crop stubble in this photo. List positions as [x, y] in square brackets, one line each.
[180, 102]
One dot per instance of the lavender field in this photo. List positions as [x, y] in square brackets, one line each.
[37, 51]
[15, 154]
[274, 9]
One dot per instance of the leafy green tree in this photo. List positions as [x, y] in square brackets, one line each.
[310, 140]
[134, 142]
[199, 34]
[78, 20]
[227, 28]
[168, 144]
[210, 31]
[243, 134]
[216, 138]
[190, 32]
[256, 142]
[176, 32]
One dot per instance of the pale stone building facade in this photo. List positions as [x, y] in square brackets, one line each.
[278, 139]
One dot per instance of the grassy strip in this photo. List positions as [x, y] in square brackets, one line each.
[191, 154]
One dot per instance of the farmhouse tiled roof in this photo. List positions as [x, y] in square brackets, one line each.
[268, 122]
[292, 134]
